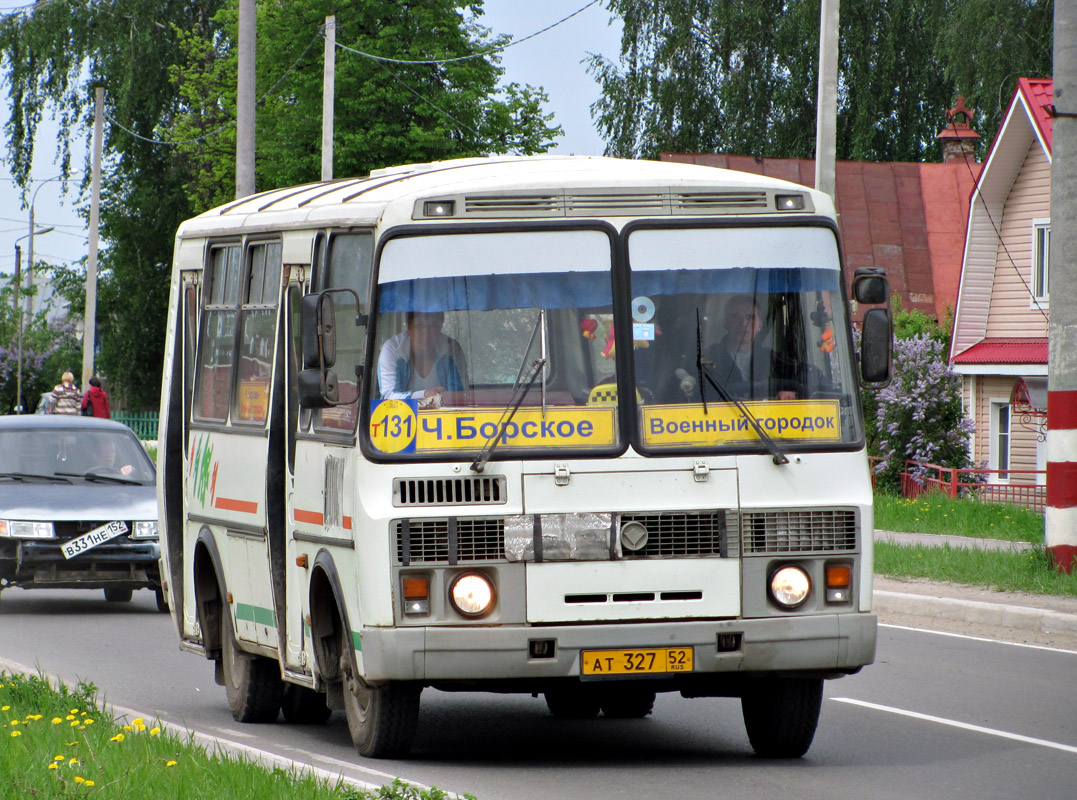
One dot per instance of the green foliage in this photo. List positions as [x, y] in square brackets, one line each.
[914, 322]
[936, 512]
[740, 76]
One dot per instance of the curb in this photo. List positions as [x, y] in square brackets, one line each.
[975, 611]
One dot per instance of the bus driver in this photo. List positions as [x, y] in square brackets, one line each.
[421, 362]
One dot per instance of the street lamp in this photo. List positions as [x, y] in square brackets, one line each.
[18, 307]
[30, 244]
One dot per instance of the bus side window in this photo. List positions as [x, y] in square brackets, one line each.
[258, 322]
[218, 342]
[347, 266]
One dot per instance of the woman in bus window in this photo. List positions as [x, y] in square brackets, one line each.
[421, 362]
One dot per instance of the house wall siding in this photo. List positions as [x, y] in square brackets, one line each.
[1010, 314]
[1023, 434]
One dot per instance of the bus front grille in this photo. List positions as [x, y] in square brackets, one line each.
[442, 491]
[682, 535]
[449, 540]
[798, 530]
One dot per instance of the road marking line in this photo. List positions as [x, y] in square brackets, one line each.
[955, 724]
[979, 638]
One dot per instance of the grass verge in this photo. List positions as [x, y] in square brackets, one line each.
[1028, 572]
[939, 513]
[61, 743]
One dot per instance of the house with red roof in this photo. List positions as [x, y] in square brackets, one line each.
[908, 218]
[999, 345]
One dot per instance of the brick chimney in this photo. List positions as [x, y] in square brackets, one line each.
[958, 138]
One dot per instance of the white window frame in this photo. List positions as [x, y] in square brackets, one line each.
[996, 405]
[1039, 276]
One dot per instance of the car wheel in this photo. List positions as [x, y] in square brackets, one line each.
[303, 706]
[780, 715]
[162, 600]
[253, 683]
[627, 702]
[381, 719]
[574, 702]
[119, 595]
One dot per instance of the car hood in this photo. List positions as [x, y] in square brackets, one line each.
[53, 502]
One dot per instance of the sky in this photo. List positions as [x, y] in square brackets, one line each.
[550, 60]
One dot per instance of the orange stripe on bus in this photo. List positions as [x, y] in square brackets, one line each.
[228, 504]
[348, 523]
[313, 517]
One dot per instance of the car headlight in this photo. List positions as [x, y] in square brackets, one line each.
[790, 586]
[146, 529]
[26, 530]
[472, 594]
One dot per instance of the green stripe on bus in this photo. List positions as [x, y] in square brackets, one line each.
[357, 641]
[256, 614]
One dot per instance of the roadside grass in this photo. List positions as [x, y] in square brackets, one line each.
[936, 512]
[1029, 572]
[61, 743]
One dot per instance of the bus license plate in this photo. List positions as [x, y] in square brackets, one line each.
[94, 538]
[637, 662]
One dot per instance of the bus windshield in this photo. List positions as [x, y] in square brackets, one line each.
[459, 330]
[752, 315]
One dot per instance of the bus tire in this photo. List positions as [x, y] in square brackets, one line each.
[572, 702]
[253, 683]
[628, 702]
[118, 595]
[162, 600]
[303, 706]
[780, 715]
[381, 719]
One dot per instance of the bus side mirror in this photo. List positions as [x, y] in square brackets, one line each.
[876, 343]
[870, 285]
[317, 321]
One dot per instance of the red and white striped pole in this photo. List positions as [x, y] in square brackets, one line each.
[1060, 521]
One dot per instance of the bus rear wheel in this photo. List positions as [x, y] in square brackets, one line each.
[627, 702]
[780, 715]
[253, 683]
[573, 701]
[381, 719]
[303, 706]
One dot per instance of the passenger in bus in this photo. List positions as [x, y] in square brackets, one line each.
[421, 362]
[742, 364]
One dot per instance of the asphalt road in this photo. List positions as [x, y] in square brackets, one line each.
[937, 716]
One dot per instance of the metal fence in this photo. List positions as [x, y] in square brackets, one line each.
[1021, 487]
[143, 423]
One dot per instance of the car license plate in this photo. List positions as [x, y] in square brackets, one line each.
[637, 662]
[95, 537]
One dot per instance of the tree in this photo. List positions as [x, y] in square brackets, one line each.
[168, 67]
[739, 76]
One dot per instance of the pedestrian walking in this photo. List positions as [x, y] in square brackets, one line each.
[95, 400]
[65, 397]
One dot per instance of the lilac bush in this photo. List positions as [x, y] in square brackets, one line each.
[919, 415]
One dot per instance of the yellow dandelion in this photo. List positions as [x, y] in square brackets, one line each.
[72, 762]
[170, 764]
[34, 717]
[54, 766]
[56, 720]
[70, 744]
[89, 783]
[128, 728]
[83, 713]
[70, 716]
[60, 757]
[117, 738]
[154, 731]
[88, 721]
[74, 723]
[5, 708]
[74, 711]
[16, 733]
[138, 721]
[79, 779]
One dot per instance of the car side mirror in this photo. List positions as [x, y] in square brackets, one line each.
[876, 345]
[870, 285]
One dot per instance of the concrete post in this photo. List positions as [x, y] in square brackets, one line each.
[329, 76]
[245, 111]
[826, 114]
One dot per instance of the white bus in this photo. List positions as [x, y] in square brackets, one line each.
[575, 426]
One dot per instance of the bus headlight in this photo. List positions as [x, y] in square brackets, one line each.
[790, 586]
[26, 530]
[472, 595]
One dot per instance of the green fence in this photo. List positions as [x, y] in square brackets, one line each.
[143, 423]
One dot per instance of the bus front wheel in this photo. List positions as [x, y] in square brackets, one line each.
[253, 683]
[381, 719]
[781, 714]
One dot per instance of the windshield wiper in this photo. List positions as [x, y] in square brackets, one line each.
[519, 392]
[23, 476]
[95, 477]
[702, 368]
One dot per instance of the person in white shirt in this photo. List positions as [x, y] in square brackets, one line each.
[740, 363]
[421, 362]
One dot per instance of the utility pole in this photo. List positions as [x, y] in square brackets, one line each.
[1060, 520]
[329, 77]
[826, 114]
[89, 323]
[245, 113]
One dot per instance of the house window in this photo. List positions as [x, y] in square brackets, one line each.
[1000, 439]
[1041, 253]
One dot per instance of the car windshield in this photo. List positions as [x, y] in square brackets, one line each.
[459, 328]
[51, 451]
[736, 322]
